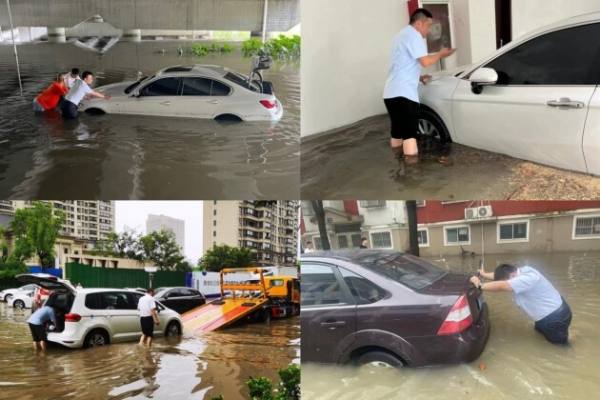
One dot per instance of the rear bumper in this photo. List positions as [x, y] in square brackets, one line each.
[464, 347]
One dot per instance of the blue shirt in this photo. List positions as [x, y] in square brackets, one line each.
[43, 315]
[405, 69]
[534, 294]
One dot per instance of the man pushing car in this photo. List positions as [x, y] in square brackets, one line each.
[535, 295]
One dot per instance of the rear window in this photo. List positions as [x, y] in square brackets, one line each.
[241, 80]
[62, 301]
[406, 269]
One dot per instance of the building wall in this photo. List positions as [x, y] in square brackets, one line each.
[220, 224]
[156, 223]
[394, 212]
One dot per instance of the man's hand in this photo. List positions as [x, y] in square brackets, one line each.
[475, 281]
[157, 322]
[446, 52]
[425, 79]
[106, 97]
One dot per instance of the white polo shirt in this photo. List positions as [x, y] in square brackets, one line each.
[405, 69]
[146, 304]
[78, 92]
[534, 294]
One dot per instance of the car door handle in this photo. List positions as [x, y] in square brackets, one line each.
[565, 102]
[165, 103]
[333, 324]
[214, 101]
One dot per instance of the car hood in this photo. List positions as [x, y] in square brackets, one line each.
[115, 89]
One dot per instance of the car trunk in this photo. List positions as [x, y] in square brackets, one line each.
[457, 284]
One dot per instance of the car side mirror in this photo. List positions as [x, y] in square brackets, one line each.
[483, 77]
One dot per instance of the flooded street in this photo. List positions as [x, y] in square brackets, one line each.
[191, 367]
[123, 156]
[517, 363]
[357, 159]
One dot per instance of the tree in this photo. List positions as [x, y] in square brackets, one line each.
[161, 249]
[9, 265]
[411, 210]
[35, 230]
[126, 244]
[224, 256]
[317, 206]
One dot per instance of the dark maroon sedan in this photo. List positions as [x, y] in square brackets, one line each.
[384, 307]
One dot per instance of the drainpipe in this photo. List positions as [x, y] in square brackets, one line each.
[12, 34]
[264, 27]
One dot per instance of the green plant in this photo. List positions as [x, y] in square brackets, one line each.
[201, 50]
[260, 388]
[224, 256]
[290, 382]
[251, 47]
[282, 47]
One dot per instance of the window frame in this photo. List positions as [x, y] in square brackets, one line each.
[426, 229]
[158, 78]
[372, 241]
[584, 216]
[458, 242]
[499, 240]
[348, 298]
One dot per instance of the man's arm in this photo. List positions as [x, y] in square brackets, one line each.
[93, 93]
[431, 59]
[487, 275]
[495, 286]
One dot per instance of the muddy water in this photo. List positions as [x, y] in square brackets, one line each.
[516, 364]
[191, 367]
[357, 161]
[114, 156]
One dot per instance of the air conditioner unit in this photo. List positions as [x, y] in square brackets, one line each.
[478, 212]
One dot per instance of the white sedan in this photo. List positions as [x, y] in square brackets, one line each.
[7, 294]
[536, 99]
[198, 91]
[22, 300]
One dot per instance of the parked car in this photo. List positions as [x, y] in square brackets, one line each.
[180, 299]
[22, 299]
[197, 91]
[388, 308]
[7, 294]
[528, 100]
[96, 317]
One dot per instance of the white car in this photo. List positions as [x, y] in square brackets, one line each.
[198, 91]
[22, 299]
[96, 317]
[536, 99]
[7, 294]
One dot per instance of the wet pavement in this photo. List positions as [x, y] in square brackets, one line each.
[357, 161]
[191, 367]
[517, 362]
[140, 157]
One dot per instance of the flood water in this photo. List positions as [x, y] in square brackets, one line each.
[140, 157]
[356, 160]
[191, 367]
[517, 362]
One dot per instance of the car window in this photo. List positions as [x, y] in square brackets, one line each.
[556, 58]
[190, 292]
[174, 293]
[241, 80]
[110, 301]
[196, 86]
[320, 286]
[62, 301]
[162, 87]
[134, 298]
[363, 290]
[219, 89]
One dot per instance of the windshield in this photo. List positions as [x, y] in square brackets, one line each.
[404, 268]
[131, 87]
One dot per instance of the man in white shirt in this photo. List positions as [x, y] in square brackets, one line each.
[401, 97]
[72, 77]
[148, 317]
[81, 88]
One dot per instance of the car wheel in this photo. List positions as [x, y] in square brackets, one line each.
[95, 338]
[173, 329]
[379, 359]
[95, 111]
[431, 127]
[19, 304]
[228, 118]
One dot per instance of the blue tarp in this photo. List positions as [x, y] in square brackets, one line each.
[52, 271]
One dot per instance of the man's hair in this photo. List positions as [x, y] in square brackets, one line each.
[419, 14]
[86, 74]
[503, 271]
[150, 291]
[75, 71]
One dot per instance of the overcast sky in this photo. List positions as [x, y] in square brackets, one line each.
[133, 214]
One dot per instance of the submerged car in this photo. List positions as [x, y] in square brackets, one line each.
[387, 308]
[528, 100]
[197, 91]
[97, 317]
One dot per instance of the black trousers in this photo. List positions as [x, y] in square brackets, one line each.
[555, 327]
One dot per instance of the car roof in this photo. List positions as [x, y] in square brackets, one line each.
[352, 255]
[215, 71]
[96, 290]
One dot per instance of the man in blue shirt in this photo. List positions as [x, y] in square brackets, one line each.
[535, 295]
[401, 97]
[37, 325]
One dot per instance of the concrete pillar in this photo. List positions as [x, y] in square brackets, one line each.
[57, 35]
[132, 35]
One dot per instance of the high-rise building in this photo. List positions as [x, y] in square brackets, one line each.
[156, 223]
[84, 219]
[268, 228]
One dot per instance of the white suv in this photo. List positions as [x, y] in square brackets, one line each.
[96, 317]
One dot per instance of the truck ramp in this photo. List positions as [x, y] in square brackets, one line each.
[219, 313]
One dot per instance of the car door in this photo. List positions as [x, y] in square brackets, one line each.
[328, 317]
[537, 110]
[175, 300]
[159, 98]
[121, 315]
[202, 97]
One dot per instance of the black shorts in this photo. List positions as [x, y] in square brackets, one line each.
[69, 110]
[147, 326]
[38, 332]
[404, 114]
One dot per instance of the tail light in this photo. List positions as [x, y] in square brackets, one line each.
[459, 318]
[268, 104]
[71, 317]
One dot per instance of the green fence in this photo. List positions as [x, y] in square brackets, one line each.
[89, 276]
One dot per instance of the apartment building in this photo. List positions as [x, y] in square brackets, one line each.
[268, 228]
[156, 223]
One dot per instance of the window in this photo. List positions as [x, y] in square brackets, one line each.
[586, 227]
[457, 235]
[214, 233]
[513, 231]
[421, 203]
[241, 80]
[162, 87]
[219, 89]
[196, 87]
[372, 203]
[363, 290]
[356, 240]
[318, 243]
[548, 59]
[319, 286]
[381, 240]
[423, 237]
[66, 250]
[342, 242]
[215, 222]
[110, 301]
